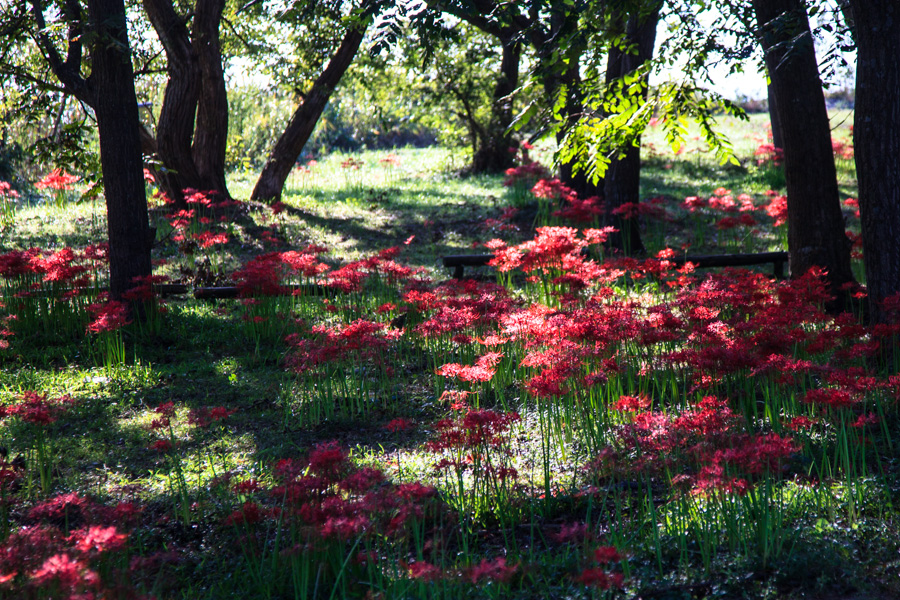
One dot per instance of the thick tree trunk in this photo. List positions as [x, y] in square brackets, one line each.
[492, 154]
[622, 183]
[175, 128]
[816, 235]
[193, 121]
[120, 146]
[287, 149]
[211, 134]
[876, 137]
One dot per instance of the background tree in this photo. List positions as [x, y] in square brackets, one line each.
[290, 144]
[192, 131]
[474, 75]
[636, 37]
[876, 137]
[816, 235]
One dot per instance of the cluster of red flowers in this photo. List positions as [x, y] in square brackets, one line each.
[525, 175]
[43, 560]
[57, 180]
[360, 341]
[39, 409]
[109, 316]
[7, 192]
[331, 499]
[769, 154]
[64, 266]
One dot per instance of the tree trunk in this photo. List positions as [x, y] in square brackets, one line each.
[120, 146]
[816, 235]
[193, 120]
[287, 149]
[622, 183]
[876, 137]
[174, 130]
[211, 134]
[774, 122]
[492, 154]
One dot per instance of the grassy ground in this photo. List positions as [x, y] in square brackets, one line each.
[815, 521]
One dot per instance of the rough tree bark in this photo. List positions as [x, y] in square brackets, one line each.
[816, 235]
[211, 134]
[876, 138]
[492, 154]
[193, 119]
[120, 147]
[622, 183]
[287, 149]
[109, 90]
[774, 120]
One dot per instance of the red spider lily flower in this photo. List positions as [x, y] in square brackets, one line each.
[68, 574]
[18, 263]
[57, 180]
[59, 267]
[457, 399]
[424, 571]
[693, 203]
[181, 219]
[6, 191]
[38, 409]
[760, 454]
[343, 527]
[261, 276]
[482, 370]
[166, 409]
[551, 189]
[769, 153]
[800, 422]
[143, 289]
[207, 239]
[399, 425]
[391, 160]
[607, 554]
[492, 570]
[598, 578]
[162, 446]
[249, 513]
[632, 403]
[726, 223]
[831, 397]
[574, 533]
[363, 480]
[277, 207]
[475, 429]
[205, 416]
[97, 540]
[777, 209]
[865, 420]
[328, 460]
[525, 175]
[842, 149]
[305, 262]
[111, 316]
[580, 211]
[247, 487]
[62, 508]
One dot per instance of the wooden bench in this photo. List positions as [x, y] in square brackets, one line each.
[458, 262]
